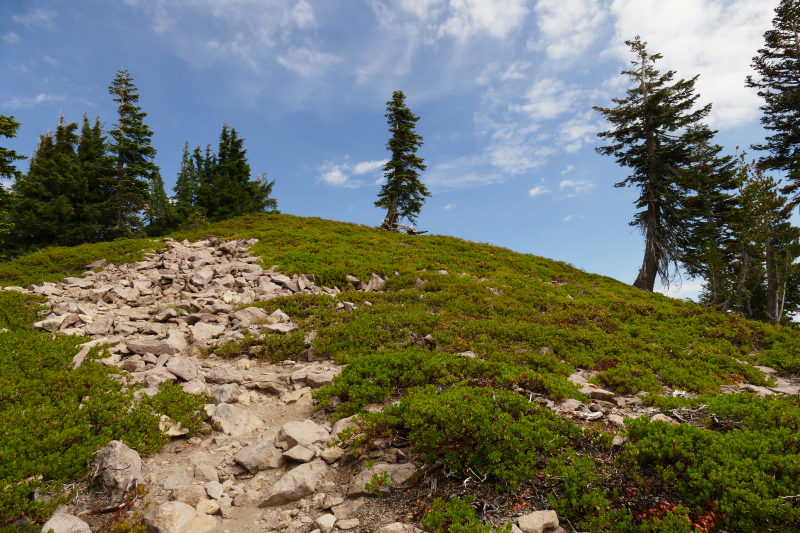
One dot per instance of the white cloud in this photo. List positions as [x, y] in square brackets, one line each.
[577, 186]
[303, 15]
[567, 27]
[16, 103]
[37, 17]
[579, 130]
[307, 63]
[567, 170]
[335, 176]
[567, 218]
[539, 189]
[368, 166]
[465, 18]
[708, 37]
[48, 59]
[449, 206]
[11, 37]
[548, 98]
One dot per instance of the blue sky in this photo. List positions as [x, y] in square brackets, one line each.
[504, 89]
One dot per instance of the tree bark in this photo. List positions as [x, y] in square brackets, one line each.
[772, 282]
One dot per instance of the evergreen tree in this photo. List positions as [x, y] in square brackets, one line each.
[54, 204]
[778, 68]
[647, 139]
[403, 193]
[161, 214]
[97, 167]
[225, 188]
[186, 185]
[134, 170]
[8, 129]
[706, 245]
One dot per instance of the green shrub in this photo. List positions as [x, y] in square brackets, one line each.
[456, 516]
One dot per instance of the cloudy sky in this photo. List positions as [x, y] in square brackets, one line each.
[504, 89]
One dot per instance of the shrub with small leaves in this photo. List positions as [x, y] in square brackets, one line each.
[456, 516]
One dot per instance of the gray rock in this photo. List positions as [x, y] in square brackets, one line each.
[177, 517]
[66, 523]
[397, 527]
[296, 484]
[117, 468]
[538, 521]
[175, 479]
[348, 509]
[325, 523]
[222, 375]
[100, 326]
[251, 314]
[597, 394]
[344, 525]
[189, 494]
[321, 378]
[282, 328]
[225, 394]
[154, 346]
[205, 472]
[617, 421]
[303, 433]
[331, 455]
[299, 453]
[398, 474]
[236, 421]
[343, 424]
[194, 387]
[661, 417]
[155, 377]
[183, 368]
[260, 455]
[215, 490]
[203, 331]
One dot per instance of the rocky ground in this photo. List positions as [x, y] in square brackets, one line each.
[271, 463]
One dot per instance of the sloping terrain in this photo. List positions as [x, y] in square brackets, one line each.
[518, 380]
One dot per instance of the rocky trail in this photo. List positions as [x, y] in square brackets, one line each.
[270, 463]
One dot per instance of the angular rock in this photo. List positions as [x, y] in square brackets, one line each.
[282, 328]
[398, 474]
[175, 479]
[538, 521]
[189, 494]
[348, 509]
[303, 433]
[343, 424]
[376, 283]
[194, 387]
[325, 523]
[260, 455]
[205, 472]
[183, 368]
[225, 394]
[321, 378]
[250, 314]
[597, 394]
[344, 525]
[118, 467]
[66, 523]
[207, 506]
[222, 375]
[661, 417]
[299, 453]
[153, 346]
[203, 331]
[50, 324]
[331, 455]
[398, 527]
[155, 377]
[177, 517]
[296, 484]
[617, 421]
[236, 421]
[167, 314]
[215, 490]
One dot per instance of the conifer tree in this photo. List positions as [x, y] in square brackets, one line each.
[403, 193]
[54, 204]
[186, 185]
[133, 155]
[653, 136]
[8, 129]
[97, 167]
[778, 68]
[161, 214]
[225, 188]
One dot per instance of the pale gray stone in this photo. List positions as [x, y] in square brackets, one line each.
[100, 326]
[303, 433]
[250, 314]
[66, 523]
[617, 421]
[538, 521]
[154, 346]
[203, 331]
[343, 424]
[236, 421]
[348, 509]
[222, 375]
[183, 368]
[117, 468]
[398, 527]
[325, 523]
[260, 455]
[225, 394]
[194, 387]
[215, 489]
[174, 479]
[398, 474]
[661, 417]
[296, 484]
[189, 494]
[178, 517]
[331, 455]
[344, 525]
[205, 472]
[299, 453]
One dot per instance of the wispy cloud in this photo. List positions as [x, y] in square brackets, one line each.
[449, 206]
[577, 186]
[567, 170]
[567, 218]
[538, 190]
[548, 98]
[48, 59]
[37, 17]
[17, 102]
[369, 166]
[339, 174]
[308, 63]
[11, 37]
[567, 27]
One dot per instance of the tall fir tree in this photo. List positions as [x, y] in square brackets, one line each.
[134, 170]
[403, 194]
[97, 167]
[186, 185]
[8, 170]
[778, 68]
[54, 204]
[225, 188]
[161, 214]
[653, 135]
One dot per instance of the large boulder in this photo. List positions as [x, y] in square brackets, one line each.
[303, 433]
[189, 494]
[250, 314]
[225, 394]
[183, 368]
[296, 484]
[538, 521]
[398, 474]
[117, 468]
[66, 523]
[142, 346]
[100, 326]
[222, 375]
[343, 424]
[236, 421]
[260, 455]
[203, 331]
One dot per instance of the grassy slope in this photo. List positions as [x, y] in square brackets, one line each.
[549, 319]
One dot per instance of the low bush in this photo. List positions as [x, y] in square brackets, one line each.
[456, 516]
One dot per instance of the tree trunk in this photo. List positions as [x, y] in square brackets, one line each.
[646, 279]
[772, 282]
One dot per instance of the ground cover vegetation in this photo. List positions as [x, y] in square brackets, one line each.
[530, 321]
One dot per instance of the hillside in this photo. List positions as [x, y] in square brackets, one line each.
[502, 375]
